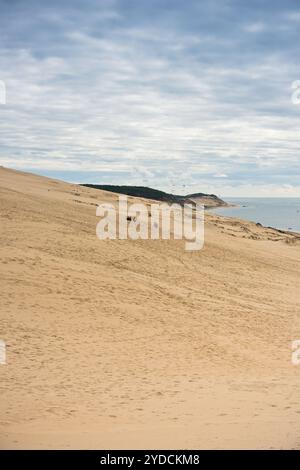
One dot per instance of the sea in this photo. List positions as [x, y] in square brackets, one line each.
[280, 213]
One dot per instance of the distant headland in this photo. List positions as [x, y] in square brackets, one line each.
[208, 200]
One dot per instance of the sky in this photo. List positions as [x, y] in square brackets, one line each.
[183, 96]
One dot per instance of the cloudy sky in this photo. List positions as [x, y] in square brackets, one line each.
[184, 96]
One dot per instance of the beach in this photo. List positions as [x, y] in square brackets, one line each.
[125, 344]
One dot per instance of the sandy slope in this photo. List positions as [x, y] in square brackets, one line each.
[125, 344]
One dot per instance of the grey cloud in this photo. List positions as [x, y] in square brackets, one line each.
[158, 91]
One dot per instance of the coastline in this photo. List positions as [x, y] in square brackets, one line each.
[261, 214]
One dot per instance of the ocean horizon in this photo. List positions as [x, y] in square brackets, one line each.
[279, 213]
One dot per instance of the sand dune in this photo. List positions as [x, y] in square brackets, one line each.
[140, 344]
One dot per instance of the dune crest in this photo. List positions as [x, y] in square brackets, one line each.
[134, 344]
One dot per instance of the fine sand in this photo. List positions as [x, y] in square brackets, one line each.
[140, 344]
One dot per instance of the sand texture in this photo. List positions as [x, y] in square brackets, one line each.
[140, 344]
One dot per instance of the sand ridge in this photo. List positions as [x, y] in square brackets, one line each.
[125, 344]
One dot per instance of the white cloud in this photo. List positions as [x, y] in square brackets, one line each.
[152, 102]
